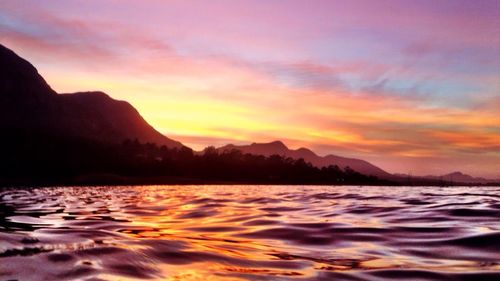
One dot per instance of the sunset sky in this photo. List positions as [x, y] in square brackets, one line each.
[411, 86]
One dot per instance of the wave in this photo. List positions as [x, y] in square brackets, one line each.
[250, 233]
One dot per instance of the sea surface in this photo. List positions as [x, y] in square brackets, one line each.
[250, 233]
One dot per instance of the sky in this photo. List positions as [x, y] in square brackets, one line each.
[411, 86]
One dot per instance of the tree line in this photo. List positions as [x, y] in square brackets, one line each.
[34, 158]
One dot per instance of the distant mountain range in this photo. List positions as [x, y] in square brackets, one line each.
[28, 103]
[460, 177]
[455, 177]
[279, 148]
[361, 166]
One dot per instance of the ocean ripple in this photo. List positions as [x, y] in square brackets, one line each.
[250, 233]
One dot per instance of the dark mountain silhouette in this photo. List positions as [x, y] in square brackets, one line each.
[455, 178]
[27, 103]
[279, 148]
[459, 177]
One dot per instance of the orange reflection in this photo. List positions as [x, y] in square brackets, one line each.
[246, 232]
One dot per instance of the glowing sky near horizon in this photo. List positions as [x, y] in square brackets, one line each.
[411, 86]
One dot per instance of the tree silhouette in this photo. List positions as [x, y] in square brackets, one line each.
[31, 158]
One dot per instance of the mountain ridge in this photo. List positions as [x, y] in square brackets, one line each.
[28, 103]
[279, 148]
[458, 176]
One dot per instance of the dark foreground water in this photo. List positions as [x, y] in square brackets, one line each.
[250, 233]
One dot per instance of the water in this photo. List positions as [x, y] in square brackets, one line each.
[250, 233]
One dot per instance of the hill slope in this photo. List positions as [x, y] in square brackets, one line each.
[27, 103]
[459, 177]
[279, 148]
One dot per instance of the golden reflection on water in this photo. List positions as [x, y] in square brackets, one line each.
[247, 232]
